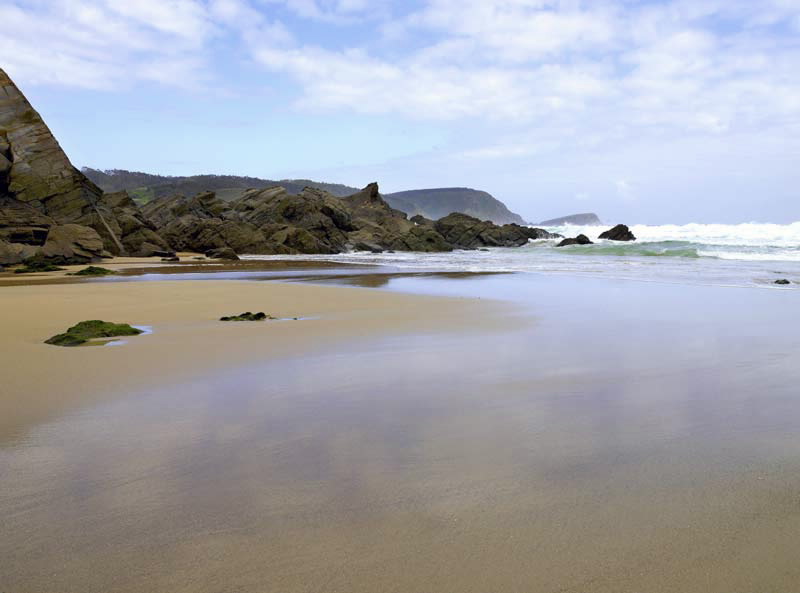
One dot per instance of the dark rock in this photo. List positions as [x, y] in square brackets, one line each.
[174, 258]
[364, 246]
[93, 271]
[40, 175]
[420, 238]
[535, 233]
[88, 330]
[222, 253]
[247, 316]
[421, 220]
[72, 244]
[466, 232]
[782, 281]
[579, 240]
[618, 233]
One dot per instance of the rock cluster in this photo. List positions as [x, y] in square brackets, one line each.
[52, 214]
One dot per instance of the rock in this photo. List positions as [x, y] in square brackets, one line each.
[10, 253]
[782, 281]
[88, 330]
[222, 253]
[618, 233]
[535, 233]
[41, 176]
[164, 254]
[579, 240]
[136, 232]
[72, 244]
[171, 259]
[466, 232]
[421, 238]
[93, 271]
[248, 316]
[421, 220]
[365, 246]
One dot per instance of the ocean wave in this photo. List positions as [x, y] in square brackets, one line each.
[749, 234]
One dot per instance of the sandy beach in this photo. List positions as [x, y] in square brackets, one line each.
[446, 433]
[41, 380]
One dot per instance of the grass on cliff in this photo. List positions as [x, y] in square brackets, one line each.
[88, 330]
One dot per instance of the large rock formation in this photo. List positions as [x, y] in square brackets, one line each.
[39, 187]
[50, 211]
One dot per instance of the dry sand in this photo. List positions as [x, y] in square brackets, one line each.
[40, 381]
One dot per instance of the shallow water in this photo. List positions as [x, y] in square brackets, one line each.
[625, 437]
[746, 255]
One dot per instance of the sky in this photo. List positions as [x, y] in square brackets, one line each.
[644, 111]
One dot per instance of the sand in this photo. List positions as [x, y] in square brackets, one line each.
[593, 437]
[41, 381]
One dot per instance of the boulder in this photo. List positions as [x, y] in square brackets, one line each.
[222, 253]
[618, 233]
[579, 240]
[72, 244]
[365, 246]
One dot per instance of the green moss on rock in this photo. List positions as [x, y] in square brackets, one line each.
[32, 267]
[93, 271]
[247, 316]
[88, 330]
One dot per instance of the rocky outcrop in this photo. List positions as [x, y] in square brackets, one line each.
[36, 172]
[312, 221]
[50, 211]
[72, 244]
[466, 232]
[39, 187]
[618, 233]
[579, 240]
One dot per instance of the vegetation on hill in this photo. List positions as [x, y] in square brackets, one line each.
[430, 203]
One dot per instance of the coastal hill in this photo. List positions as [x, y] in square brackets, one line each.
[435, 203]
[51, 213]
[430, 203]
[585, 219]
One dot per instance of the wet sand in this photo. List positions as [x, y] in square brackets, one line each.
[41, 381]
[586, 437]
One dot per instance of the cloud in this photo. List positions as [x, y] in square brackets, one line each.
[103, 44]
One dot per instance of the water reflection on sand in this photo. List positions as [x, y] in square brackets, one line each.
[634, 438]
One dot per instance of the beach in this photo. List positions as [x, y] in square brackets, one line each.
[507, 432]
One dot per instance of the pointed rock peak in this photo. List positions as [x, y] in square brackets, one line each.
[40, 174]
[372, 190]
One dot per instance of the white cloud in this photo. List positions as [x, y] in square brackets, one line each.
[104, 44]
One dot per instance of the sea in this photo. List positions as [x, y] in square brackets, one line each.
[752, 255]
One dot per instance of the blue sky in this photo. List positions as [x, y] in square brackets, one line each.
[643, 111]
